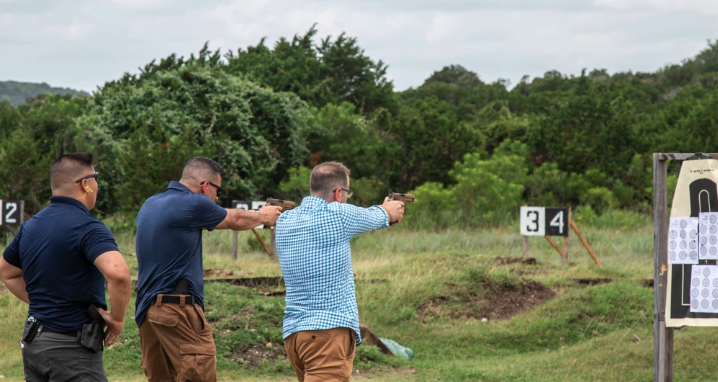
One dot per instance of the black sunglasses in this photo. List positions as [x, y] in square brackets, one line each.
[349, 192]
[88, 177]
[220, 190]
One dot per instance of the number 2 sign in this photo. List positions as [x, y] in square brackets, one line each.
[544, 221]
[11, 212]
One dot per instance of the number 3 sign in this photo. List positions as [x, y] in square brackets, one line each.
[11, 211]
[544, 221]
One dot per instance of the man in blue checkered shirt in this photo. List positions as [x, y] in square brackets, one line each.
[321, 322]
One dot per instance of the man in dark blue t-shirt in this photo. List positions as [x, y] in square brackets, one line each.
[58, 263]
[175, 337]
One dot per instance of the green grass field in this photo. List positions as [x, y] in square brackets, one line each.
[443, 295]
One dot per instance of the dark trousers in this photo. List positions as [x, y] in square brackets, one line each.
[54, 357]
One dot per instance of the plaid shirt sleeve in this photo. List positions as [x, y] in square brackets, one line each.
[358, 220]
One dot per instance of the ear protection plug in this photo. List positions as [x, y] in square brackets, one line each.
[88, 189]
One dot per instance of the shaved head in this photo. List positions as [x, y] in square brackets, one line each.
[201, 169]
[67, 169]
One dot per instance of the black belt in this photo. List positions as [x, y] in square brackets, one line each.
[45, 329]
[174, 299]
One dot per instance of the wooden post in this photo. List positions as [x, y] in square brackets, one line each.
[553, 243]
[266, 249]
[662, 336]
[585, 243]
[526, 246]
[234, 245]
[22, 212]
[274, 244]
[565, 240]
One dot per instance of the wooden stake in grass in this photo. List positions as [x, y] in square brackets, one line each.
[269, 253]
[234, 245]
[564, 257]
[585, 243]
[553, 243]
[526, 246]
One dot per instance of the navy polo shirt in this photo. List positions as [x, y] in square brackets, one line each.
[56, 251]
[169, 243]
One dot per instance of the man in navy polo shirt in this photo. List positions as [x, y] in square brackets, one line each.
[58, 263]
[176, 340]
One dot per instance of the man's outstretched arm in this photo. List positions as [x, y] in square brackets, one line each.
[358, 220]
[239, 220]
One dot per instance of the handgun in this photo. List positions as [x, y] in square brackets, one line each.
[406, 198]
[285, 204]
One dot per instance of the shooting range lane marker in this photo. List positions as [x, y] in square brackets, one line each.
[245, 206]
[550, 221]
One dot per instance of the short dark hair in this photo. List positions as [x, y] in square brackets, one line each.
[328, 176]
[201, 169]
[67, 168]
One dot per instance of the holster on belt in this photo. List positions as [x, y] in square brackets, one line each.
[31, 327]
[93, 334]
[182, 287]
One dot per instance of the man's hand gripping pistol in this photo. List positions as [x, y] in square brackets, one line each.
[406, 198]
[285, 204]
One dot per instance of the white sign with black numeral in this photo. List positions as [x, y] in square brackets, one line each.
[241, 204]
[533, 221]
[11, 212]
[544, 221]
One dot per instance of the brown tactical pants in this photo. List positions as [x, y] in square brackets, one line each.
[322, 355]
[177, 344]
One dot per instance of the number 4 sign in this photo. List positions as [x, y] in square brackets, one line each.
[11, 212]
[544, 221]
[550, 221]
[557, 219]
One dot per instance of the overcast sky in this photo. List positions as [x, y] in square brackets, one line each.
[82, 44]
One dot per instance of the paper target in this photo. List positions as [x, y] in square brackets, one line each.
[708, 233]
[704, 289]
[683, 241]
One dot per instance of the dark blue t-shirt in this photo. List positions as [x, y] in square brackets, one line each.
[169, 243]
[56, 251]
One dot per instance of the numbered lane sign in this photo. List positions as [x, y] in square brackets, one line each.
[544, 221]
[532, 221]
[11, 211]
[241, 204]
[556, 221]
[245, 205]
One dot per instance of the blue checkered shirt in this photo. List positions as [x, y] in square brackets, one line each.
[314, 253]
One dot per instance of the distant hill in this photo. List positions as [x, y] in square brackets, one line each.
[17, 92]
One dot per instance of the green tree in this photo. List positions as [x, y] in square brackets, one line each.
[253, 132]
[333, 71]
